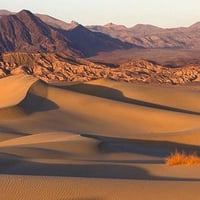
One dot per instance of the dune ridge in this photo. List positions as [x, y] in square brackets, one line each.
[14, 89]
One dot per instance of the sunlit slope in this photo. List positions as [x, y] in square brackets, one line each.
[103, 108]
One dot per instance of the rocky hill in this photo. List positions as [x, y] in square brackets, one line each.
[52, 68]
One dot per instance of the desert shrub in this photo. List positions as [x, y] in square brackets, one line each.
[181, 158]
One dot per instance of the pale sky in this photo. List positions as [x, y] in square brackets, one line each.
[163, 13]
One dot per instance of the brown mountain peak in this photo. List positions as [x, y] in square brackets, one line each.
[196, 25]
[24, 11]
[25, 14]
[74, 23]
[115, 26]
[145, 26]
[5, 12]
[109, 24]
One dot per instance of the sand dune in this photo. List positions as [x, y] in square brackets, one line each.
[14, 89]
[83, 141]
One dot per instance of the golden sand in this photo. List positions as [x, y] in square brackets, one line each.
[96, 140]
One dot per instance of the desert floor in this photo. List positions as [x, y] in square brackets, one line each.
[97, 140]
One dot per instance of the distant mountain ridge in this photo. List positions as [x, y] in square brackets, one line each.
[140, 35]
[24, 31]
[5, 12]
[149, 36]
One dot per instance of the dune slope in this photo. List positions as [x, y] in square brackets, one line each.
[96, 136]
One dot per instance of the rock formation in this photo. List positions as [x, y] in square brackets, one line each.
[51, 67]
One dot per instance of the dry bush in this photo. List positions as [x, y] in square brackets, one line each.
[181, 158]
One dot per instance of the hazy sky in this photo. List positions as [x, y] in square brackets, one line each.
[164, 13]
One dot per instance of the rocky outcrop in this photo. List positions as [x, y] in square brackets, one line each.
[144, 71]
[52, 68]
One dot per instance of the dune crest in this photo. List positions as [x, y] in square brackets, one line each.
[14, 89]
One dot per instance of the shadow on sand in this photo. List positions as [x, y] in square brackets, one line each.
[117, 95]
[143, 147]
[111, 171]
[36, 100]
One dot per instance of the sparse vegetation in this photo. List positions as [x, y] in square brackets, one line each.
[181, 158]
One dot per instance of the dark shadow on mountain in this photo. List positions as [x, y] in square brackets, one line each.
[91, 43]
[117, 95]
[111, 65]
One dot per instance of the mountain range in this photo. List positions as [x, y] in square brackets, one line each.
[149, 36]
[25, 31]
[56, 35]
